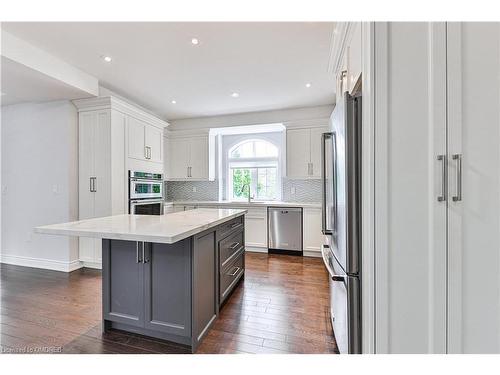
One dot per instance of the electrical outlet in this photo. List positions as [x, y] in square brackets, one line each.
[292, 190]
[55, 189]
[194, 189]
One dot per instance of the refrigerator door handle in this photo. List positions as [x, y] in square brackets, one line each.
[458, 196]
[324, 252]
[324, 138]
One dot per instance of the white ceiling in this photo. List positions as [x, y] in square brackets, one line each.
[22, 84]
[268, 64]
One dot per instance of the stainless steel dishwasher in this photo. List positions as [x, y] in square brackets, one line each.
[285, 230]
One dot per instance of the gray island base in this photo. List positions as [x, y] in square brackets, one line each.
[170, 290]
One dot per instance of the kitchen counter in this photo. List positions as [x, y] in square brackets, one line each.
[150, 228]
[165, 276]
[246, 204]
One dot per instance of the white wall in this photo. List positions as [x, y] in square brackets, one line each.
[39, 183]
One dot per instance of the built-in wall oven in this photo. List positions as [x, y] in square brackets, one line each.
[145, 193]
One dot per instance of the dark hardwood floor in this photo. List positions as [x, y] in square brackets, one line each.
[280, 307]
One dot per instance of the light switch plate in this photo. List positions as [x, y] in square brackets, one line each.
[292, 190]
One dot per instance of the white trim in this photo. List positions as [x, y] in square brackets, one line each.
[368, 189]
[111, 102]
[94, 265]
[312, 254]
[48, 264]
[341, 37]
[254, 249]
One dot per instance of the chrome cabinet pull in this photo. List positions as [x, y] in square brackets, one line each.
[235, 272]
[95, 184]
[137, 256]
[312, 169]
[90, 187]
[234, 245]
[458, 158]
[444, 183]
[144, 258]
[234, 225]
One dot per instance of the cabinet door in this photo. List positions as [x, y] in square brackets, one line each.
[136, 139]
[256, 228]
[179, 157]
[123, 282]
[315, 170]
[474, 218]
[410, 132]
[102, 160]
[168, 270]
[199, 158]
[313, 238]
[86, 171]
[154, 140]
[298, 153]
[204, 284]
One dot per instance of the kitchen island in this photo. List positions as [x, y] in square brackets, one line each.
[165, 276]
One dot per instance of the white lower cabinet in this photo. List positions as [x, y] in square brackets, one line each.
[256, 229]
[313, 238]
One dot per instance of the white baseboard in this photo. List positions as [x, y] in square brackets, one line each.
[47, 264]
[312, 253]
[254, 249]
[95, 265]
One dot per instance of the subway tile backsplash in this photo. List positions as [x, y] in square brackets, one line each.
[292, 190]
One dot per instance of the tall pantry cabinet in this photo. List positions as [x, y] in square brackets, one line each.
[106, 153]
[437, 187]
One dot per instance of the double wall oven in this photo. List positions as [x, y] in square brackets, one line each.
[145, 193]
[341, 178]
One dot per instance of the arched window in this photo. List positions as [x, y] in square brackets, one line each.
[253, 168]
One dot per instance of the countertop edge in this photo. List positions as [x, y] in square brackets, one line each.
[47, 229]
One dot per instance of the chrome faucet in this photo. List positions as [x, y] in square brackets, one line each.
[243, 189]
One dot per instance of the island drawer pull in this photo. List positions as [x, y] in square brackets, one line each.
[235, 272]
[234, 245]
[234, 225]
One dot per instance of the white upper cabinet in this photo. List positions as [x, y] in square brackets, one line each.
[303, 149]
[347, 57]
[187, 158]
[145, 141]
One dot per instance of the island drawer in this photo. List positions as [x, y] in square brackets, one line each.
[229, 246]
[230, 226]
[230, 275]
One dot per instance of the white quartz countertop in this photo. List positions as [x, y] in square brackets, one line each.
[168, 228]
[246, 204]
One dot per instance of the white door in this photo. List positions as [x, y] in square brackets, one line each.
[474, 218]
[154, 140]
[86, 129]
[136, 139]
[198, 160]
[298, 153]
[179, 157]
[410, 235]
[315, 143]
[102, 160]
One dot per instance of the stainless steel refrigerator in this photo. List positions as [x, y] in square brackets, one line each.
[341, 177]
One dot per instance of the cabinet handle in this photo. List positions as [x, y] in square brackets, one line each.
[444, 184]
[343, 75]
[90, 183]
[95, 184]
[149, 153]
[312, 169]
[137, 256]
[234, 245]
[144, 258]
[458, 158]
[187, 173]
[234, 225]
[235, 272]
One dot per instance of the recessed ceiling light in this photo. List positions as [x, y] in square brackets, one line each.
[173, 102]
[195, 41]
[235, 94]
[308, 85]
[107, 58]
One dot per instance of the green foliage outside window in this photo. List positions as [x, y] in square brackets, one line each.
[241, 177]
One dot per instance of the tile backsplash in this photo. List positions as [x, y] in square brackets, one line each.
[292, 190]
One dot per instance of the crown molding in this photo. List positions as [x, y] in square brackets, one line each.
[110, 102]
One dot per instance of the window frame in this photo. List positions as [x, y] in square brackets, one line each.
[253, 163]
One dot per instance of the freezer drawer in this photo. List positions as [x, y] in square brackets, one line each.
[285, 228]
